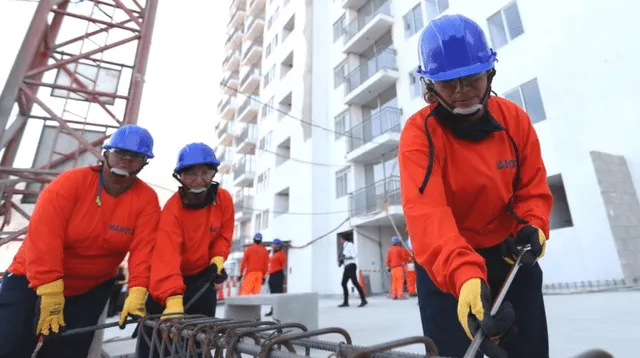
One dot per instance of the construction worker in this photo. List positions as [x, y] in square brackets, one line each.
[411, 271]
[84, 223]
[474, 191]
[350, 272]
[254, 267]
[277, 263]
[397, 258]
[193, 242]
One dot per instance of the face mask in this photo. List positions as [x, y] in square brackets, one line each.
[119, 172]
[197, 190]
[467, 111]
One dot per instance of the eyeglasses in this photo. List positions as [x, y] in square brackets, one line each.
[122, 154]
[460, 81]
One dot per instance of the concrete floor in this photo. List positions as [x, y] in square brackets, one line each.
[577, 323]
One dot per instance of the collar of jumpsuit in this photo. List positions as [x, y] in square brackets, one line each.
[474, 131]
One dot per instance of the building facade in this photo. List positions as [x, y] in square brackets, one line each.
[336, 90]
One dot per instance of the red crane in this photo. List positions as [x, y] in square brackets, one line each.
[78, 75]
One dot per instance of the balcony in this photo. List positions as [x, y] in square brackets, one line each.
[255, 7]
[353, 4]
[225, 156]
[244, 171]
[368, 206]
[248, 110]
[226, 134]
[236, 4]
[232, 61]
[234, 40]
[237, 17]
[250, 81]
[230, 83]
[237, 244]
[228, 108]
[254, 27]
[368, 26]
[243, 205]
[372, 77]
[252, 51]
[369, 140]
[247, 140]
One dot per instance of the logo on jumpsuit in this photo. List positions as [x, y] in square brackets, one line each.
[506, 164]
[122, 229]
[214, 229]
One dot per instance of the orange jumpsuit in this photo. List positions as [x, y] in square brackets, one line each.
[397, 257]
[464, 204]
[411, 275]
[254, 267]
[70, 237]
[277, 262]
[187, 240]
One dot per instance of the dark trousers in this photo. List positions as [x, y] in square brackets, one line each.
[18, 319]
[440, 321]
[276, 282]
[204, 305]
[349, 274]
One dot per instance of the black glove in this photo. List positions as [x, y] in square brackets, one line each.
[239, 278]
[474, 302]
[527, 236]
[264, 279]
[340, 262]
[211, 276]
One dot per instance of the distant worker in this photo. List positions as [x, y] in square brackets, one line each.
[474, 192]
[84, 223]
[254, 267]
[411, 271]
[397, 258]
[277, 263]
[193, 242]
[350, 272]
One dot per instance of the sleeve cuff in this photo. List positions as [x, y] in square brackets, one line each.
[465, 273]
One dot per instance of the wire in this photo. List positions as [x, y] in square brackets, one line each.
[313, 241]
[304, 161]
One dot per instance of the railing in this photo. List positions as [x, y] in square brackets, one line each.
[226, 155]
[357, 24]
[229, 77]
[246, 164]
[249, 132]
[252, 72]
[226, 129]
[243, 203]
[256, 42]
[239, 8]
[231, 36]
[386, 120]
[253, 21]
[253, 99]
[234, 53]
[383, 60]
[372, 198]
[226, 103]
[238, 242]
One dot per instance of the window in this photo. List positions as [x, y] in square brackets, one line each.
[267, 108]
[342, 182]
[505, 25]
[269, 76]
[338, 28]
[271, 46]
[415, 84]
[340, 73]
[413, 21]
[257, 222]
[435, 8]
[341, 124]
[528, 97]
[262, 181]
[265, 142]
[273, 18]
[265, 220]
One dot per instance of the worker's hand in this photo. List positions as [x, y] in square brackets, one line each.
[528, 236]
[239, 278]
[264, 279]
[134, 305]
[388, 269]
[51, 307]
[215, 273]
[174, 307]
[474, 313]
[218, 261]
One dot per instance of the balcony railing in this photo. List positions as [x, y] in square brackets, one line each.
[253, 21]
[246, 164]
[256, 42]
[226, 155]
[227, 128]
[357, 24]
[232, 54]
[386, 120]
[383, 60]
[226, 103]
[238, 242]
[230, 77]
[252, 72]
[249, 132]
[372, 198]
[232, 35]
[243, 203]
[253, 99]
[238, 8]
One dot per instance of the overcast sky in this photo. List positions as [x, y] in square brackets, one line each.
[181, 91]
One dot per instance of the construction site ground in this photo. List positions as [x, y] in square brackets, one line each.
[577, 323]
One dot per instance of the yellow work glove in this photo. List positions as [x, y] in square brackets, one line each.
[528, 236]
[474, 314]
[173, 307]
[51, 307]
[134, 305]
[219, 262]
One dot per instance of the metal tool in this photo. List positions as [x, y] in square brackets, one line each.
[474, 347]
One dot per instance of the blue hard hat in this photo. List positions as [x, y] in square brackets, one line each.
[453, 46]
[196, 154]
[395, 239]
[257, 236]
[277, 241]
[132, 138]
